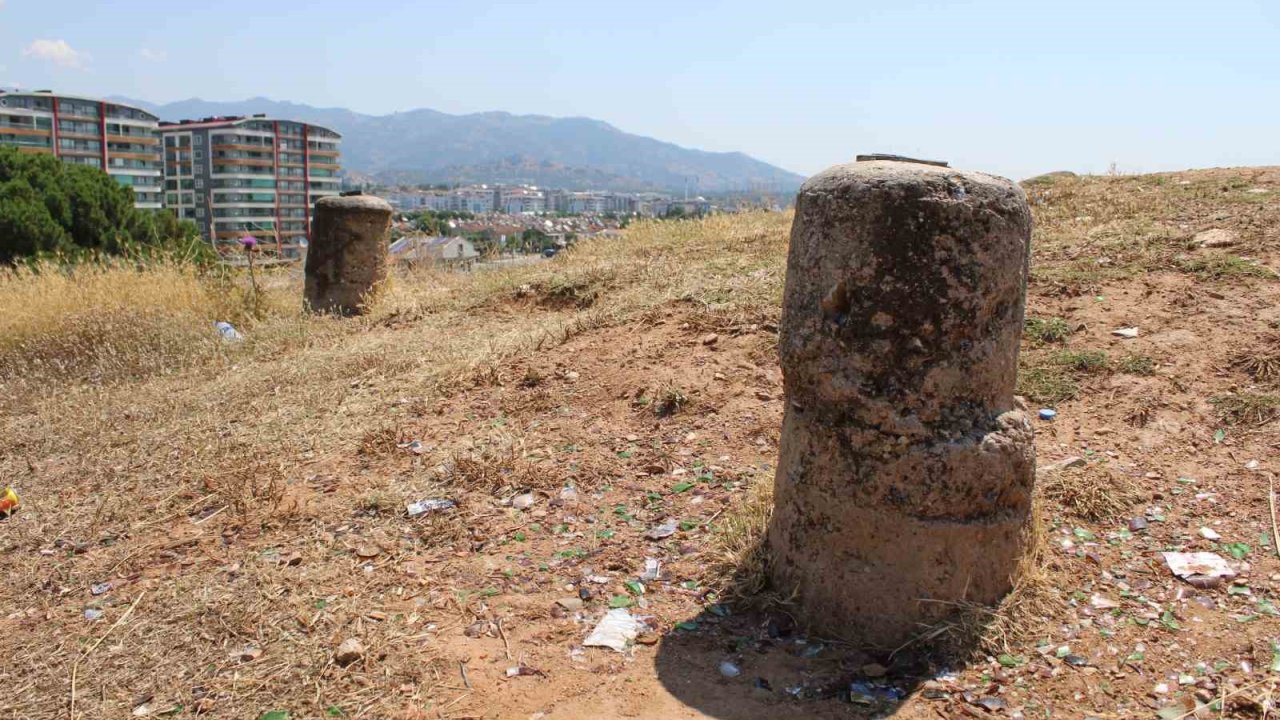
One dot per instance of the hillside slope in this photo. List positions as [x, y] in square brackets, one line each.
[430, 146]
[236, 512]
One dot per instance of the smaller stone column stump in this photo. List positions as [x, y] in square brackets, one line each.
[347, 254]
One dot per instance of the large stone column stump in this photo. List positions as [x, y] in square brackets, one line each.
[905, 472]
[347, 255]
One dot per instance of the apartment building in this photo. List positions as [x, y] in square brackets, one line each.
[259, 176]
[121, 139]
[521, 200]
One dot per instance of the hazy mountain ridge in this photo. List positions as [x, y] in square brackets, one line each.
[430, 146]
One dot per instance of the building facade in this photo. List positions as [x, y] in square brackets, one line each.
[259, 176]
[121, 139]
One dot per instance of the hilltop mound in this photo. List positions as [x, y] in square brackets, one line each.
[239, 508]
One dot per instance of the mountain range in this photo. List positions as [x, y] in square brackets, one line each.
[427, 146]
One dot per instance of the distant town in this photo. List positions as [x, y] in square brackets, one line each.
[260, 176]
[526, 199]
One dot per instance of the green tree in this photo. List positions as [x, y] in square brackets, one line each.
[50, 207]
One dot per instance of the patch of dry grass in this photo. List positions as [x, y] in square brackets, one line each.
[1094, 492]
[1246, 408]
[1261, 362]
[125, 420]
[740, 557]
[974, 629]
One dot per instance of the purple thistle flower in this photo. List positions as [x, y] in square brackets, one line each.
[249, 242]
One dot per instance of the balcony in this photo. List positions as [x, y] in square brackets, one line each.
[20, 129]
[139, 139]
[256, 162]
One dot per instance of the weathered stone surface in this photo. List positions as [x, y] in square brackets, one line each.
[905, 470]
[347, 256]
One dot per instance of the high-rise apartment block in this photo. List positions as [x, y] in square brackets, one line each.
[118, 138]
[232, 176]
[250, 176]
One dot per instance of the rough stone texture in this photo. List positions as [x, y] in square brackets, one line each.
[347, 257]
[905, 468]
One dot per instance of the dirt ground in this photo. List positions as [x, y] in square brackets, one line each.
[227, 591]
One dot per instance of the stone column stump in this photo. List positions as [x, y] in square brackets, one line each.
[905, 471]
[347, 255]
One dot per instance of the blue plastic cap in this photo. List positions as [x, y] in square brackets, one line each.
[1048, 414]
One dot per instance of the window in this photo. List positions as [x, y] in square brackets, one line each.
[199, 154]
[197, 140]
[199, 183]
[197, 169]
[199, 212]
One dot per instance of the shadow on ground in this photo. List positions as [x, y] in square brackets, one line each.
[756, 664]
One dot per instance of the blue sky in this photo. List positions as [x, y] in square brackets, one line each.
[1016, 87]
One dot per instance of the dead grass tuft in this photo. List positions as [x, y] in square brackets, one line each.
[974, 630]
[1048, 330]
[1046, 384]
[1262, 363]
[1246, 408]
[671, 400]
[1083, 361]
[1221, 267]
[1136, 364]
[1094, 492]
[740, 557]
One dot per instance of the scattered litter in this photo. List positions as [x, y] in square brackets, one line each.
[1063, 464]
[1201, 569]
[1048, 414]
[729, 670]
[519, 670]
[523, 501]
[1209, 534]
[1184, 708]
[615, 630]
[666, 529]
[1100, 602]
[9, 502]
[865, 693]
[651, 569]
[570, 604]
[93, 614]
[992, 703]
[100, 588]
[228, 332]
[422, 507]
[248, 653]
[366, 551]
[874, 670]
[351, 650]
[1138, 523]
[811, 650]
[569, 493]
[414, 446]
[1128, 332]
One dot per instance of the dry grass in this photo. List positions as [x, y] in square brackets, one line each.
[973, 630]
[739, 566]
[237, 484]
[1261, 362]
[1246, 408]
[232, 480]
[1095, 492]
